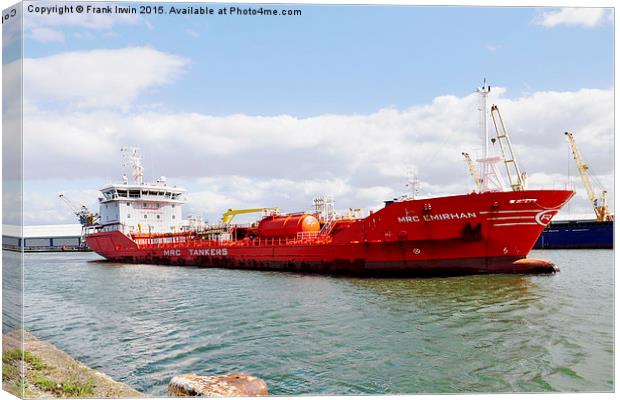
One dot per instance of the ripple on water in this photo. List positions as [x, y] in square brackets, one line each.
[310, 334]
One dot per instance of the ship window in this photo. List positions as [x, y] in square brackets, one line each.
[128, 215]
[157, 205]
[173, 206]
[127, 204]
[145, 217]
[106, 206]
[173, 217]
[144, 204]
[158, 217]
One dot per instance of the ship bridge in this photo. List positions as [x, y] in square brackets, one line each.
[139, 206]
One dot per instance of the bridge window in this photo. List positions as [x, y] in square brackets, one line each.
[145, 216]
[128, 215]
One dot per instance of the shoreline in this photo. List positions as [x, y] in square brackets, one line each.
[50, 372]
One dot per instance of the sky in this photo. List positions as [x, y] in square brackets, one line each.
[271, 111]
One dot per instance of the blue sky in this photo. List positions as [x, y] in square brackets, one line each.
[343, 100]
[357, 59]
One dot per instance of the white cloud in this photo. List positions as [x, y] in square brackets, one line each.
[283, 161]
[585, 17]
[46, 35]
[192, 33]
[493, 47]
[102, 78]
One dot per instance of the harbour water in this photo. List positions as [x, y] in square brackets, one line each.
[310, 334]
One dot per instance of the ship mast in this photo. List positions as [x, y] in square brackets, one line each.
[131, 157]
[489, 170]
[484, 93]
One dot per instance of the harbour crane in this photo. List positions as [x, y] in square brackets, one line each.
[473, 171]
[517, 179]
[86, 217]
[229, 215]
[599, 203]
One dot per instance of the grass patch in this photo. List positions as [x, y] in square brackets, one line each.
[77, 389]
[12, 355]
[8, 371]
[45, 383]
[34, 361]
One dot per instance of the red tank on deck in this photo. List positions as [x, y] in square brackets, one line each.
[287, 226]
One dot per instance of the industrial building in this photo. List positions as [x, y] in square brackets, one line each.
[43, 238]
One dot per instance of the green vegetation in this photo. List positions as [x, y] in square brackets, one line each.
[35, 376]
[45, 383]
[13, 355]
[77, 389]
[71, 387]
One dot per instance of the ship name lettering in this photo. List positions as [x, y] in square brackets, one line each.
[208, 252]
[172, 252]
[438, 217]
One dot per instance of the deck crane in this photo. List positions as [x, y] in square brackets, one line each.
[473, 171]
[517, 179]
[598, 203]
[86, 217]
[229, 215]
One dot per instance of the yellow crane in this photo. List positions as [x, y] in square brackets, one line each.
[86, 217]
[598, 203]
[473, 171]
[229, 215]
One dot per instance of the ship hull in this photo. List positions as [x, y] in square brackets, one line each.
[577, 235]
[454, 235]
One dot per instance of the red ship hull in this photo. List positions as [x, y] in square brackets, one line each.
[476, 233]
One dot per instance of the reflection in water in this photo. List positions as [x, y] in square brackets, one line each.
[310, 334]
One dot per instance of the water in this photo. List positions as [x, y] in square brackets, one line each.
[307, 334]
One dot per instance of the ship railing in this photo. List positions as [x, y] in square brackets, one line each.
[287, 241]
[307, 235]
[310, 237]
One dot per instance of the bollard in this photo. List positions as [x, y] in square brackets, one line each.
[232, 385]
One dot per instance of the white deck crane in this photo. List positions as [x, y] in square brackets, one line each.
[86, 217]
[473, 171]
[517, 179]
[598, 203]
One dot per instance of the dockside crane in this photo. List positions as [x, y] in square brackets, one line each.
[473, 171]
[229, 215]
[86, 217]
[599, 203]
[517, 179]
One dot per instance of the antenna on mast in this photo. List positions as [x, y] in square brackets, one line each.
[132, 158]
[484, 93]
[413, 183]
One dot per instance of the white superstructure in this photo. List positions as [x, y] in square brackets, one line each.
[141, 207]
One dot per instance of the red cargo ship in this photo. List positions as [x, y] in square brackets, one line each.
[488, 231]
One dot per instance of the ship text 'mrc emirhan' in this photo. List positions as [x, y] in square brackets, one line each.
[490, 230]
